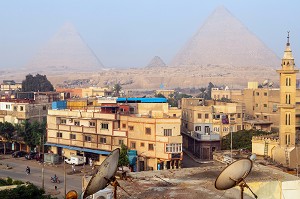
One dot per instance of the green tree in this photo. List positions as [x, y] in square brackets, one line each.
[159, 95]
[117, 88]
[6, 131]
[241, 139]
[26, 191]
[123, 159]
[36, 83]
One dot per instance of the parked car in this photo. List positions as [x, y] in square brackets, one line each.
[18, 154]
[30, 155]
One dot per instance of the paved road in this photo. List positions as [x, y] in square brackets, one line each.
[18, 172]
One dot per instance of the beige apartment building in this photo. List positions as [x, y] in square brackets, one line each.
[150, 129]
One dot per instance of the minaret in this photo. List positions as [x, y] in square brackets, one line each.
[287, 106]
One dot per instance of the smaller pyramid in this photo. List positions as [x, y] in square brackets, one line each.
[156, 62]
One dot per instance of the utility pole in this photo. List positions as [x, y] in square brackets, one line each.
[65, 177]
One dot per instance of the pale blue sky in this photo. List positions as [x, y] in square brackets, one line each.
[128, 33]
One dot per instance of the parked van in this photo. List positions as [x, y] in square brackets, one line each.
[76, 159]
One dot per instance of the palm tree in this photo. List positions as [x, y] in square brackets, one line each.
[6, 132]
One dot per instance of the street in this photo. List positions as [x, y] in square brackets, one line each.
[18, 172]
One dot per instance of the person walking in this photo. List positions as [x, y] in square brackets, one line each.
[27, 170]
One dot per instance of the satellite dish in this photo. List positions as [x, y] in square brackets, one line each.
[252, 157]
[265, 82]
[105, 172]
[271, 84]
[234, 175]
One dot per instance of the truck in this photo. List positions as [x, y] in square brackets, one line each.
[76, 160]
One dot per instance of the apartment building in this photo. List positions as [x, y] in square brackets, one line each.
[205, 122]
[18, 110]
[8, 89]
[146, 125]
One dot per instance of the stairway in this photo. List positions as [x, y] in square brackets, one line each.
[266, 149]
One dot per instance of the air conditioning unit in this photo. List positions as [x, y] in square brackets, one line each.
[106, 193]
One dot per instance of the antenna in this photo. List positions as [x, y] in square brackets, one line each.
[234, 175]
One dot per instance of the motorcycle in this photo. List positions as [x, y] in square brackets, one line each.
[55, 180]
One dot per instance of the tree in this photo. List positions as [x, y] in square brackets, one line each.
[6, 131]
[117, 88]
[36, 83]
[241, 139]
[123, 159]
[159, 95]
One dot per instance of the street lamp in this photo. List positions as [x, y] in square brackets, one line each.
[65, 177]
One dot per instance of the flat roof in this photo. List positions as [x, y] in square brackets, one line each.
[142, 100]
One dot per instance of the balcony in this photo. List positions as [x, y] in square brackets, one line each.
[89, 129]
[119, 133]
[63, 127]
[175, 139]
[76, 128]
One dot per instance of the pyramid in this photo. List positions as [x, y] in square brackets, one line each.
[224, 40]
[156, 62]
[65, 51]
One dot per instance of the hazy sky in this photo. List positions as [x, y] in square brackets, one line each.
[129, 33]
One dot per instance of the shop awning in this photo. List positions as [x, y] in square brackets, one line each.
[79, 149]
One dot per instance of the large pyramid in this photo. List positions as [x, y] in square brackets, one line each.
[66, 51]
[224, 40]
[156, 62]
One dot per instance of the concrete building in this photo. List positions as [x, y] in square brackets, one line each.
[146, 125]
[226, 93]
[165, 93]
[204, 123]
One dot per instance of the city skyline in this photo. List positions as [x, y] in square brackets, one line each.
[131, 33]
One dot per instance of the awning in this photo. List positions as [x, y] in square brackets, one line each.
[79, 148]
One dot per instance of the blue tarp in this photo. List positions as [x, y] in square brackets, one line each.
[79, 149]
[132, 154]
[58, 105]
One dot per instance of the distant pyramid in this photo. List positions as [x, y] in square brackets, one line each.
[66, 50]
[156, 62]
[224, 40]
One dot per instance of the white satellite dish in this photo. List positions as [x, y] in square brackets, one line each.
[234, 175]
[265, 82]
[252, 157]
[105, 172]
[271, 84]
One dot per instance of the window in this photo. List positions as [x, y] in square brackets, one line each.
[102, 140]
[257, 93]
[174, 148]
[104, 126]
[87, 138]
[238, 115]
[198, 128]
[288, 119]
[7, 106]
[93, 124]
[123, 126]
[142, 144]
[274, 107]
[256, 105]
[148, 131]
[265, 94]
[59, 134]
[15, 108]
[77, 123]
[132, 145]
[174, 115]
[21, 108]
[265, 117]
[121, 142]
[265, 105]
[63, 121]
[44, 108]
[130, 128]
[287, 139]
[288, 81]
[150, 147]
[287, 98]
[206, 115]
[199, 115]
[167, 132]
[131, 110]
[72, 136]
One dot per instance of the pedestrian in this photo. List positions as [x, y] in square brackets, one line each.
[55, 187]
[27, 170]
[91, 162]
[73, 168]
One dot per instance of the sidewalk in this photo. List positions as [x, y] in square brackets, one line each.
[196, 159]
